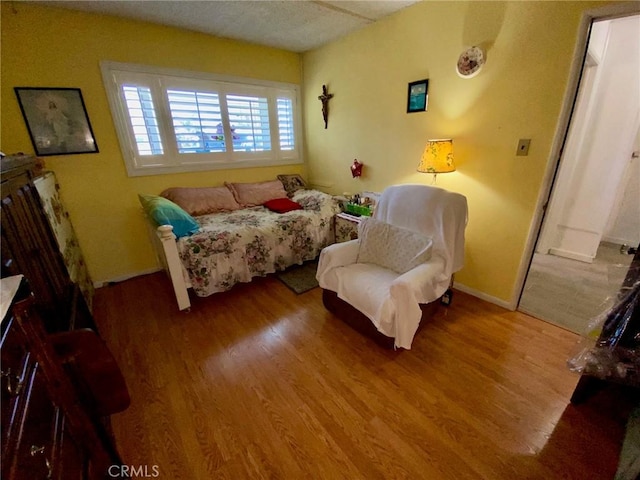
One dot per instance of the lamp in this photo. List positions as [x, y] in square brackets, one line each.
[437, 157]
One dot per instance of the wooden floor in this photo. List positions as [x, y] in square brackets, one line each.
[261, 383]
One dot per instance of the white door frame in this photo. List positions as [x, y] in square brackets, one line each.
[579, 55]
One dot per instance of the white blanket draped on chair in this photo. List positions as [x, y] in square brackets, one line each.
[390, 299]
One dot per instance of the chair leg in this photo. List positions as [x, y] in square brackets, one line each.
[446, 297]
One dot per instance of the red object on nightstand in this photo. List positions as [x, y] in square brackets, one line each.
[356, 168]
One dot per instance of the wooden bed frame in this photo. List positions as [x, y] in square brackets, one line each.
[361, 323]
[165, 246]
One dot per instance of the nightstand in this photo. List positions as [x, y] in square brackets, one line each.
[346, 227]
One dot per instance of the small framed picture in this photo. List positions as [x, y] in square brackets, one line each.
[418, 96]
[57, 120]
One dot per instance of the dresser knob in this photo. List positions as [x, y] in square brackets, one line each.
[14, 385]
[35, 450]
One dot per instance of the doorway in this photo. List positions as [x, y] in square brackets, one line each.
[593, 213]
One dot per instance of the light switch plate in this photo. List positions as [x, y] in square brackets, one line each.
[523, 147]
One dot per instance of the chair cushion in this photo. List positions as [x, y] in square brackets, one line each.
[398, 249]
[368, 288]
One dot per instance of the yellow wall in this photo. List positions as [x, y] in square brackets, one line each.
[518, 94]
[50, 47]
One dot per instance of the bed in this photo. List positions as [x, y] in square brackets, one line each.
[236, 246]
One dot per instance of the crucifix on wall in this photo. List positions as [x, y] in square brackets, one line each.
[324, 98]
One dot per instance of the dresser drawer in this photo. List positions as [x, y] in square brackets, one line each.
[33, 456]
[16, 367]
[43, 439]
[14, 356]
[69, 462]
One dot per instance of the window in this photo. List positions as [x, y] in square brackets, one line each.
[175, 121]
[285, 123]
[249, 120]
[197, 121]
[143, 119]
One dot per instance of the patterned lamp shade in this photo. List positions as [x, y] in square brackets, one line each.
[437, 157]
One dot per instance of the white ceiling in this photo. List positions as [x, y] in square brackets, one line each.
[295, 25]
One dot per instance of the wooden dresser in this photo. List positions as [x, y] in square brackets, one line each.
[60, 383]
[58, 391]
[33, 245]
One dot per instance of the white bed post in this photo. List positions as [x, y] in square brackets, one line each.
[173, 265]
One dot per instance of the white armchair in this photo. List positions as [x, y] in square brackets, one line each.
[393, 300]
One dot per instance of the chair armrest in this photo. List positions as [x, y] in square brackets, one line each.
[339, 254]
[426, 282]
[332, 257]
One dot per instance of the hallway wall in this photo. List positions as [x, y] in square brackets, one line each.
[624, 223]
[594, 165]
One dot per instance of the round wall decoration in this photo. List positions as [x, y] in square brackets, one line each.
[470, 62]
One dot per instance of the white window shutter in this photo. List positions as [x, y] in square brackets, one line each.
[286, 124]
[171, 121]
[197, 121]
[144, 122]
[249, 121]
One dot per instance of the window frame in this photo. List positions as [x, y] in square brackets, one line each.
[160, 80]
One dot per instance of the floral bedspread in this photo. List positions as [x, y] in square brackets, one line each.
[237, 246]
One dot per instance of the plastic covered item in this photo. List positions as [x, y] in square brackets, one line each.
[610, 349]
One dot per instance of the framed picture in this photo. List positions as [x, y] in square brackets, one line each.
[418, 96]
[57, 120]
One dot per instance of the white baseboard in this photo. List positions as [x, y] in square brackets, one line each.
[484, 296]
[620, 241]
[122, 278]
[572, 255]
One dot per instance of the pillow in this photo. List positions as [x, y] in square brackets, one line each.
[392, 247]
[292, 183]
[252, 194]
[165, 212]
[201, 201]
[282, 205]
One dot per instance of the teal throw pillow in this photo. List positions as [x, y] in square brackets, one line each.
[165, 212]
